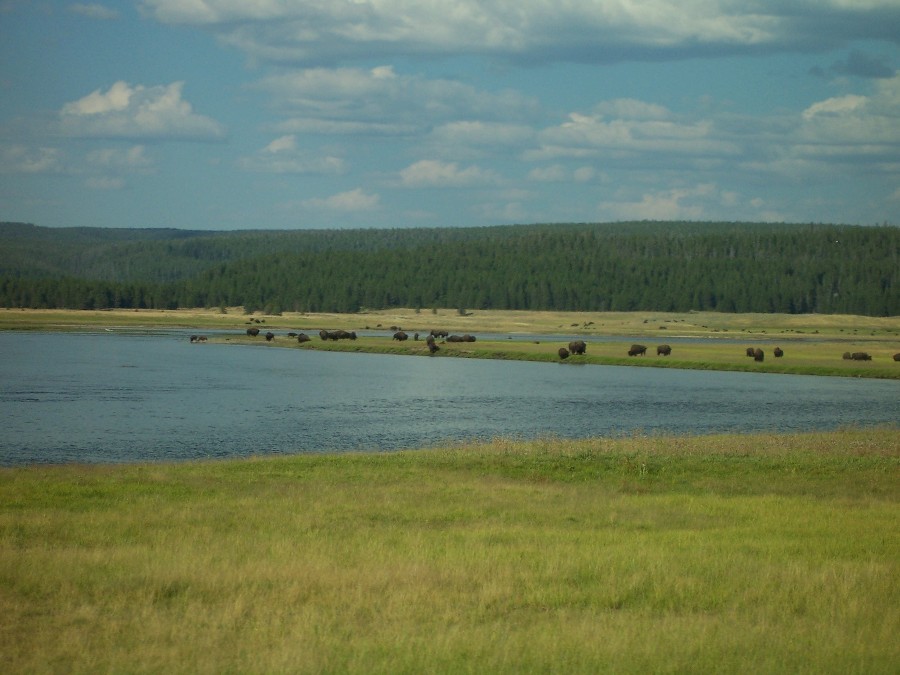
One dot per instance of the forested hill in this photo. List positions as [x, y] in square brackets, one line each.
[674, 266]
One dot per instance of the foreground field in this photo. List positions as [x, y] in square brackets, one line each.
[813, 344]
[647, 554]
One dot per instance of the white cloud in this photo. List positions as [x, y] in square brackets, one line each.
[285, 143]
[554, 173]
[124, 111]
[351, 201]
[593, 136]
[284, 156]
[337, 100]
[22, 159]
[434, 173]
[133, 158]
[327, 31]
[94, 11]
[835, 106]
[673, 204]
[105, 183]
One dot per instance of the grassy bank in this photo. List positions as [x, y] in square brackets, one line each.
[801, 358]
[813, 344]
[761, 553]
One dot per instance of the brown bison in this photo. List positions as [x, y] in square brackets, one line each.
[461, 338]
[751, 352]
[439, 333]
[759, 355]
[400, 336]
[253, 332]
[270, 336]
[432, 348]
[577, 347]
[337, 335]
[303, 337]
[563, 353]
[861, 356]
[778, 352]
[897, 356]
[663, 350]
[637, 350]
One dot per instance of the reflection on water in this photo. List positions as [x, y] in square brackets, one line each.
[112, 397]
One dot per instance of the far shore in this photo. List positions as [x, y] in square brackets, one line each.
[813, 344]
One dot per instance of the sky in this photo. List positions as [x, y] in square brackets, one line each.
[301, 114]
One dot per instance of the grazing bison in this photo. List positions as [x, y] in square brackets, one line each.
[751, 352]
[847, 356]
[439, 333]
[861, 356]
[563, 353]
[253, 332]
[270, 336]
[400, 336]
[432, 348]
[577, 347]
[194, 338]
[778, 352]
[637, 350]
[759, 354]
[663, 350]
[461, 338]
[337, 335]
[303, 337]
[897, 356]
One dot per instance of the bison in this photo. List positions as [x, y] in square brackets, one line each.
[778, 352]
[270, 336]
[751, 352]
[432, 348]
[337, 335]
[759, 355]
[563, 353]
[439, 332]
[303, 337]
[847, 356]
[897, 356]
[663, 350]
[400, 336]
[253, 332]
[577, 347]
[637, 350]
[861, 356]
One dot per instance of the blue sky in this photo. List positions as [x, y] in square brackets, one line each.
[252, 114]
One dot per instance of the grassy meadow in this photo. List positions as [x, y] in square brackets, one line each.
[726, 554]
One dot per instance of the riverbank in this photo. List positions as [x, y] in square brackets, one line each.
[812, 344]
[762, 553]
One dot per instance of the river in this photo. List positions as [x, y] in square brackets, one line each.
[119, 397]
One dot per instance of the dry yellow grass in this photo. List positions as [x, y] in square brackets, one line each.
[495, 321]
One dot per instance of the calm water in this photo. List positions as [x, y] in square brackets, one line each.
[118, 398]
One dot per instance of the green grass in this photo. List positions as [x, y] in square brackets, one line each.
[759, 553]
[801, 357]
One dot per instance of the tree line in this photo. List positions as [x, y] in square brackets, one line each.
[580, 267]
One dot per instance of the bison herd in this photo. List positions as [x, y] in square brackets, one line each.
[574, 348]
